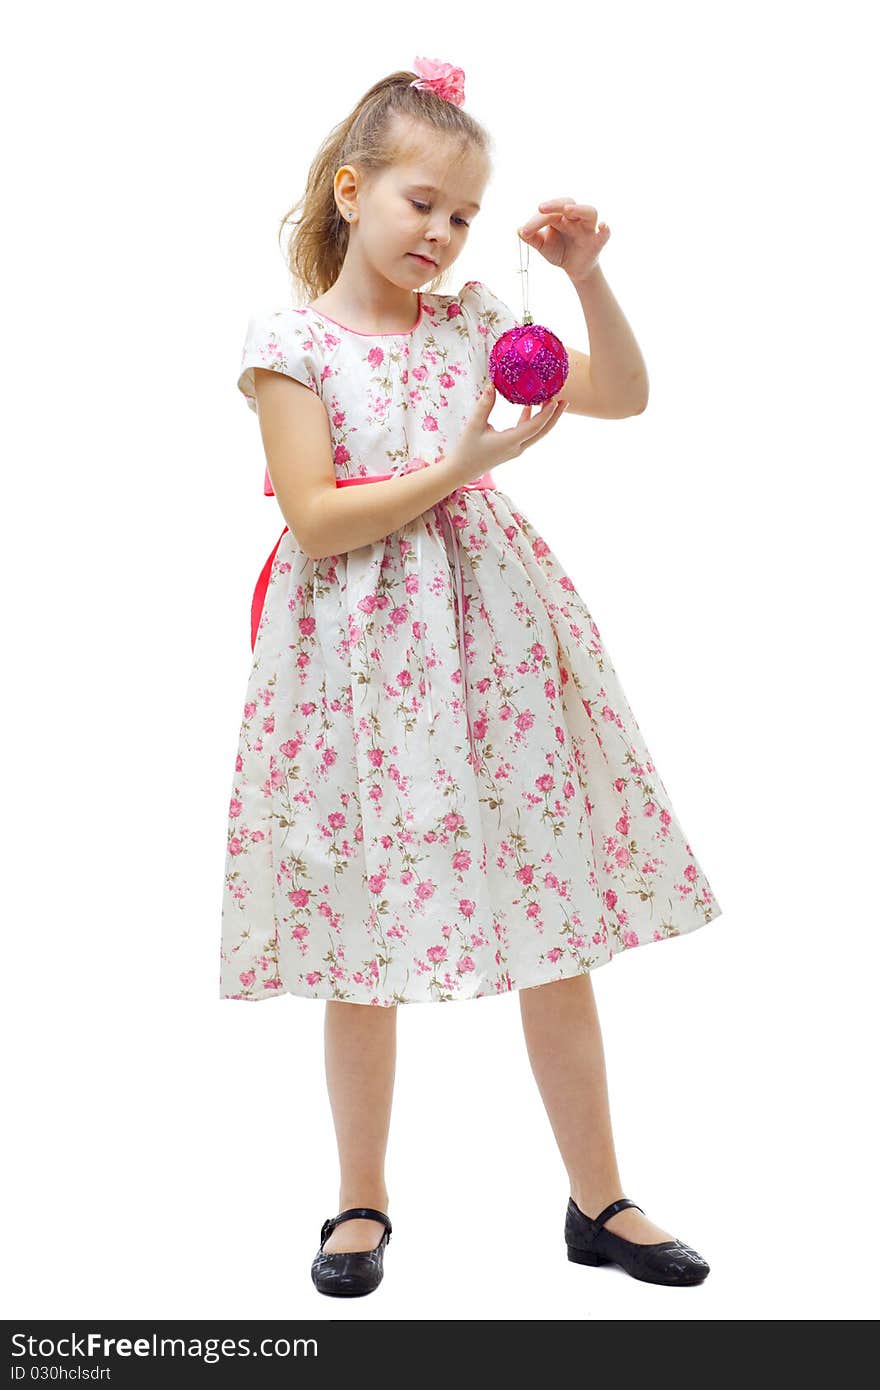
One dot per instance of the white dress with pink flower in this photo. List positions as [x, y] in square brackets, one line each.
[371, 857]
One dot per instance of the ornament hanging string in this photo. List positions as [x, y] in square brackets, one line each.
[524, 280]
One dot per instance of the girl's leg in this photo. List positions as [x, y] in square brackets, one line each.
[359, 1055]
[564, 1042]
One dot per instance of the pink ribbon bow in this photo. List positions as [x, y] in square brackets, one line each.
[443, 79]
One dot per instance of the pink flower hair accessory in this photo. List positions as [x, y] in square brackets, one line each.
[443, 79]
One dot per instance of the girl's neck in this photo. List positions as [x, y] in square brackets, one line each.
[365, 303]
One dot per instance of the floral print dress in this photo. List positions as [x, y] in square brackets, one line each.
[370, 858]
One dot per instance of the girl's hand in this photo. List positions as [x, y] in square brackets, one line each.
[572, 238]
[481, 447]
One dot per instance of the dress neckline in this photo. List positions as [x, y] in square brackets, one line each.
[358, 334]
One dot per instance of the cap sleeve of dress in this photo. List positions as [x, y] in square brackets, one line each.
[281, 342]
[488, 317]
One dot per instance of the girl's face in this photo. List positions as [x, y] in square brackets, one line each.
[415, 217]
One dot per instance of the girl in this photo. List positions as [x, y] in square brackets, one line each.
[441, 792]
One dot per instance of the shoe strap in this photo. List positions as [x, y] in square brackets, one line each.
[370, 1213]
[608, 1212]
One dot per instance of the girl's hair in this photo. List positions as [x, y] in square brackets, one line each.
[371, 139]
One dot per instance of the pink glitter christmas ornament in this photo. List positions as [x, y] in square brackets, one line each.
[528, 364]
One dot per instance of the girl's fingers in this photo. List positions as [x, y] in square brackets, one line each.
[547, 415]
[558, 412]
[552, 416]
[550, 205]
[554, 209]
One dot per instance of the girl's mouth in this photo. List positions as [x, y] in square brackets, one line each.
[425, 260]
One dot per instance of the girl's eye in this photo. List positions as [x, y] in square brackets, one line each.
[424, 207]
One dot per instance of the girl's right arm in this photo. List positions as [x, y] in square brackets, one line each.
[330, 520]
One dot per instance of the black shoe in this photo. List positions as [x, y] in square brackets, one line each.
[350, 1272]
[665, 1262]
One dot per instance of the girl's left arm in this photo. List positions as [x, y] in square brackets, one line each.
[612, 382]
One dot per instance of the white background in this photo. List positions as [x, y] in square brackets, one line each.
[172, 1155]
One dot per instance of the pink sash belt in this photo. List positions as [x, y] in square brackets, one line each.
[483, 482]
